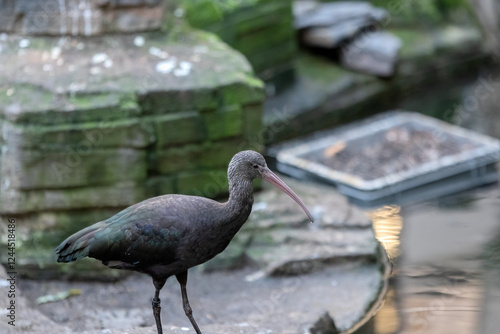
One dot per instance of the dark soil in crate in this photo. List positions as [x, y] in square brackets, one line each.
[389, 151]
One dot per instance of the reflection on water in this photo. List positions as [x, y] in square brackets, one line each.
[446, 251]
[387, 225]
[446, 254]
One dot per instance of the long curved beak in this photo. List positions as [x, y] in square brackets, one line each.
[272, 178]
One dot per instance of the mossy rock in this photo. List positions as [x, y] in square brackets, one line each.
[251, 27]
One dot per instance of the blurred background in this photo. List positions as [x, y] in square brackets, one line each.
[104, 103]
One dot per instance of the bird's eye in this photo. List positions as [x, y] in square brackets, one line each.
[255, 166]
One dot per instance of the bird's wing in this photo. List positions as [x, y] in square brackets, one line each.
[147, 232]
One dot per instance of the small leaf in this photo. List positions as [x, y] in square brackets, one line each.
[57, 296]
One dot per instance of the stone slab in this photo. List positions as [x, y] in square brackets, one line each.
[117, 195]
[333, 13]
[373, 53]
[126, 133]
[82, 166]
[165, 65]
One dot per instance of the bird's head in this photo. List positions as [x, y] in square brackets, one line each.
[251, 165]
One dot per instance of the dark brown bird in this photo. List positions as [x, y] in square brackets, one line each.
[166, 235]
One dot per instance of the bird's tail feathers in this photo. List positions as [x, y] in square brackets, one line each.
[76, 246]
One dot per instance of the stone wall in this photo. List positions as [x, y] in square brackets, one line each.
[89, 126]
[79, 17]
[261, 29]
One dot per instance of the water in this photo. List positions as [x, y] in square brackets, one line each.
[446, 251]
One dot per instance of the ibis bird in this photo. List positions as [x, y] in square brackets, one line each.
[166, 235]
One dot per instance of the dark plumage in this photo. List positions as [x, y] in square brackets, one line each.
[167, 235]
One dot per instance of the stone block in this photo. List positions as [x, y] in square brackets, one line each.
[7, 16]
[217, 155]
[224, 122]
[203, 13]
[135, 19]
[204, 183]
[253, 131]
[160, 185]
[162, 102]
[265, 16]
[29, 104]
[273, 57]
[266, 23]
[179, 128]
[195, 157]
[374, 53]
[241, 93]
[257, 41]
[127, 3]
[79, 166]
[133, 133]
[122, 194]
[176, 159]
[47, 18]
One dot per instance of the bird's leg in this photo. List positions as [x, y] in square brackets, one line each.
[156, 303]
[182, 278]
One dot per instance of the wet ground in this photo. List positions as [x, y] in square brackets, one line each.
[221, 301]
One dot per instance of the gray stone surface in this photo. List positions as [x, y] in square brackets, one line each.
[328, 14]
[81, 17]
[27, 319]
[334, 35]
[330, 25]
[374, 53]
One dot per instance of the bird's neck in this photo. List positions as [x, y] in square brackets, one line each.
[240, 201]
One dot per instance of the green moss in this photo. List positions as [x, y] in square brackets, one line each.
[162, 102]
[179, 128]
[319, 70]
[224, 122]
[251, 27]
[83, 165]
[136, 133]
[176, 159]
[115, 195]
[216, 155]
[196, 157]
[256, 42]
[26, 96]
[252, 120]
[211, 183]
[30, 104]
[274, 56]
[240, 93]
